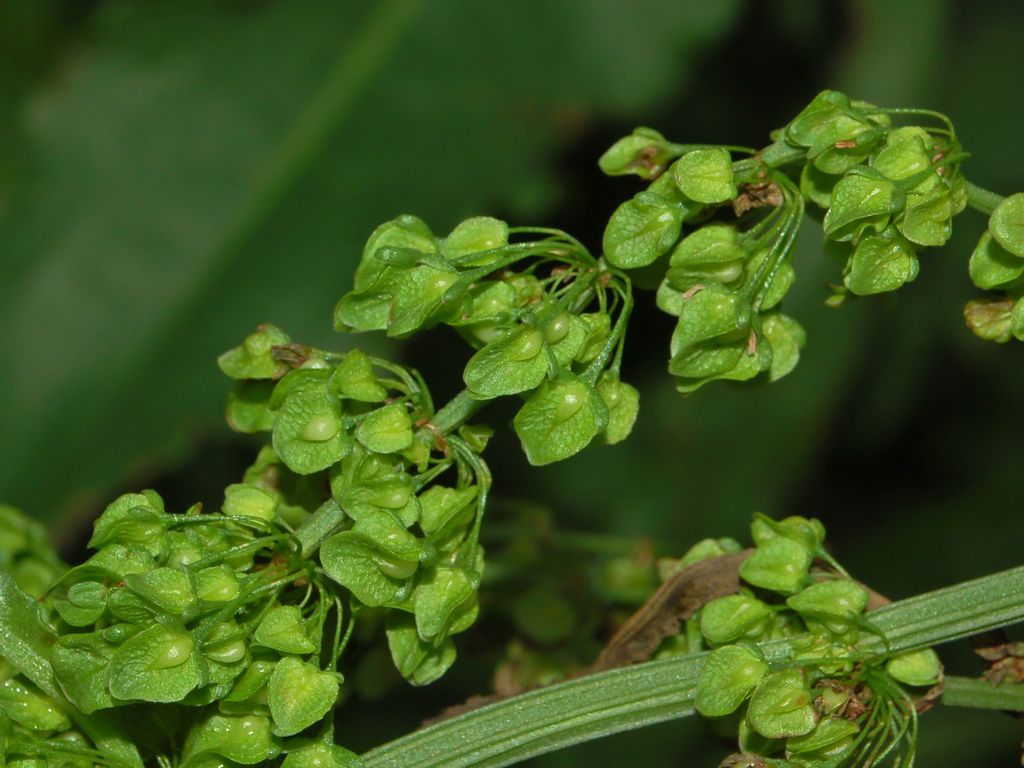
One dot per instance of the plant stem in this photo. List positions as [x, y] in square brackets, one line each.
[560, 715]
[981, 199]
[981, 694]
[456, 413]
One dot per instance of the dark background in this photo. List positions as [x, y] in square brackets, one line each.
[172, 174]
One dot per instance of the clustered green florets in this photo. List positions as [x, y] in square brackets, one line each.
[813, 699]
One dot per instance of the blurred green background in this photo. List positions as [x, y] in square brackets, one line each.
[172, 174]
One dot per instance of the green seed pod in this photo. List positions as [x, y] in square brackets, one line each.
[300, 694]
[918, 668]
[375, 560]
[445, 602]
[732, 618]
[779, 565]
[245, 738]
[860, 203]
[284, 630]
[512, 363]
[623, 403]
[782, 707]
[836, 604]
[728, 678]
[706, 549]
[559, 420]
[168, 589]
[387, 429]
[830, 118]
[319, 755]
[705, 175]
[992, 266]
[308, 433]
[419, 662]
[641, 229]
[446, 512]
[406, 232]
[216, 584]
[249, 501]
[472, 236]
[254, 358]
[28, 707]
[831, 738]
[132, 519]
[786, 337]
[881, 264]
[598, 329]
[645, 153]
[990, 319]
[354, 378]
[712, 252]
[928, 219]
[808, 532]
[252, 682]
[157, 664]
[1006, 224]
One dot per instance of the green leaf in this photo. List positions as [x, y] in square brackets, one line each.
[308, 434]
[512, 363]
[641, 229]
[782, 705]
[991, 265]
[705, 175]
[559, 420]
[245, 739]
[881, 264]
[157, 664]
[387, 429]
[786, 337]
[729, 676]
[1006, 224]
[860, 202]
[284, 630]
[419, 662]
[300, 694]
[918, 668]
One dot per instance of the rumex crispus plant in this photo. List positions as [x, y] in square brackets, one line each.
[201, 639]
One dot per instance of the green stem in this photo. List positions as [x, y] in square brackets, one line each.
[981, 694]
[980, 199]
[560, 715]
[456, 413]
